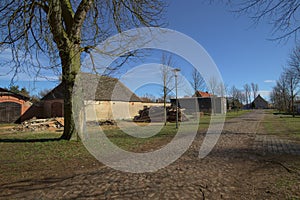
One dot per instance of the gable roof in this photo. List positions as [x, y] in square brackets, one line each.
[5, 92]
[202, 94]
[107, 89]
[260, 98]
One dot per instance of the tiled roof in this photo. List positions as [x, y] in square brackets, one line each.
[202, 94]
[107, 89]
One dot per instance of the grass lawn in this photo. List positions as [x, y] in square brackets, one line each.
[281, 125]
[233, 114]
[26, 155]
[166, 134]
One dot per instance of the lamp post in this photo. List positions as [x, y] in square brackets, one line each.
[175, 72]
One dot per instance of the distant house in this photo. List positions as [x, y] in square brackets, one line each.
[110, 95]
[260, 103]
[202, 94]
[202, 102]
[12, 106]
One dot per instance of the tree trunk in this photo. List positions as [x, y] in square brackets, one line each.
[292, 94]
[71, 67]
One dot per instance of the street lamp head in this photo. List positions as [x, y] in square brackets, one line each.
[176, 70]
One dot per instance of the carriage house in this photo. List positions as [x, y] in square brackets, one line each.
[12, 106]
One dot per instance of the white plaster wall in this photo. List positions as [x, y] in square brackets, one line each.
[114, 110]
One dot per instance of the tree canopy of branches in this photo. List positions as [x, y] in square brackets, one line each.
[282, 14]
[294, 60]
[288, 86]
[62, 30]
[167, 76]
[247, 92]
[254, 87]
[197, 81]
[236, 101]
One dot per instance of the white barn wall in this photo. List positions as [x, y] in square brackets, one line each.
[114, 110]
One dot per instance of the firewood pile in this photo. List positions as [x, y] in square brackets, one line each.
[40, 124]
[156, 114]
[101, 123]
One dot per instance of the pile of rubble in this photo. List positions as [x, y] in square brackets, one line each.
[156, 114]
[40, 124]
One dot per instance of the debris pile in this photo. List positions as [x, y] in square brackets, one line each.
[101, 123]
[156, 114]
[40, 124]
[107, 122]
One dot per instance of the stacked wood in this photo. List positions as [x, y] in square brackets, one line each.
[156, 114]
[101, 123]
[171, 113]
[40, 124]
[143, 115]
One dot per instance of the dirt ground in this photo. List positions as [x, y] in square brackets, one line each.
[246, 163]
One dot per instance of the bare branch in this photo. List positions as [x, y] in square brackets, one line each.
[283, 15]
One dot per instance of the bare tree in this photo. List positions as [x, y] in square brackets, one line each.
[149, 98]
[280, 95]
[213, 85]
[167, 76]
[247, 91]
[62, 30]
[292, 81]
[237, 97]
[287, 87]
[197, 82]
[221, 89]
[294, 60]
[233, 92]
[254, 88]
[284, 15]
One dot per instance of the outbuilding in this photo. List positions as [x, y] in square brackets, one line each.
[111, 100]
[12, 106]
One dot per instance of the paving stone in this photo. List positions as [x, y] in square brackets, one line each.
[275, 145]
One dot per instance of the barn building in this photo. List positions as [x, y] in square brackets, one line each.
[12, 106]
[111, 100]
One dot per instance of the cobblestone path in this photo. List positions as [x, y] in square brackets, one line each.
[236, 169]
[271, 144]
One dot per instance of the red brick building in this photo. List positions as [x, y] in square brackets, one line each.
[12, 106]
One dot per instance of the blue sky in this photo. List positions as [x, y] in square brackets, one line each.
[241, 51]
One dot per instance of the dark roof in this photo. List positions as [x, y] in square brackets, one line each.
[260, 97]
[5, 92]
[107, 89]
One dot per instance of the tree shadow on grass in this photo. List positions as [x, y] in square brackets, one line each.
[286, 115]
[15, 140]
